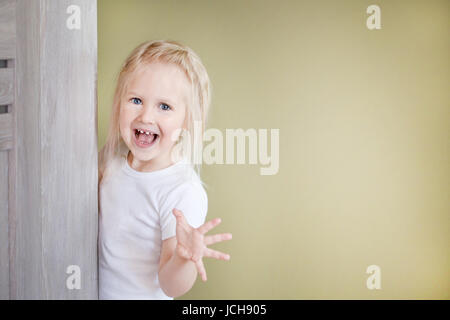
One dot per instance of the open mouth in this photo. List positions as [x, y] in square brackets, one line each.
[144, 139]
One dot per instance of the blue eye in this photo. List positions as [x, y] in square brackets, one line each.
[134, 99]
[164, 107]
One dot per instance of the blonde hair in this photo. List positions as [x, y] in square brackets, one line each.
[187, 60]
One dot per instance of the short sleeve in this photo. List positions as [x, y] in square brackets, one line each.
[191, 199]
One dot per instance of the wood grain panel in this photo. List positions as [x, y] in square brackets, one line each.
[7, 29]
[6, 134]
[69, 149]
[12, 165]
[55, 214]
[6, 86]
[25, 276]
[4, 241]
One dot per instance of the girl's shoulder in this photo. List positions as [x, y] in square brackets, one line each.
[188, 181]
[187, 185]
[189, 196]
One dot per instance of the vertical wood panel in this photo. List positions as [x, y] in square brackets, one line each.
[69, 148]
[6, 127]
[6, 86]
[7, 29]
[6, 131]
[4, 242]
[7, 51]
[55, 214]
[26, 280]
[12, 165]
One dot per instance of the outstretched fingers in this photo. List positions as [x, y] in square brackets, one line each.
[216, 254]
[217, 238]
[204, 228]
[201, 269]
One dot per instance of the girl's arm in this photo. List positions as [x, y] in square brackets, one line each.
[181, 256]
[176, 274]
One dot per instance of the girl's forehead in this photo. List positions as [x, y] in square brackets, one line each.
[159, 77]
[161, 71]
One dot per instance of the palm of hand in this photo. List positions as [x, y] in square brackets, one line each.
[192, 243]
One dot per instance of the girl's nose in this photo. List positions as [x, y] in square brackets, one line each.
[148, 114]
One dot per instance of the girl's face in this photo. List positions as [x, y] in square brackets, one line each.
[155, 103]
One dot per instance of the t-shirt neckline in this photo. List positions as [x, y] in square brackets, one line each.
[157, 173]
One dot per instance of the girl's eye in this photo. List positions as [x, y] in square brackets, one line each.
[164, 107]
[136, 99]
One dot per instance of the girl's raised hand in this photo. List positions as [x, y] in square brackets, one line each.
[191, 242]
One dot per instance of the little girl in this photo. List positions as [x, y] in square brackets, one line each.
[152, 202]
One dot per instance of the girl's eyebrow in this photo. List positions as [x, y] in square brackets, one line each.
[160, 98]
[133, 93]
[172, 103]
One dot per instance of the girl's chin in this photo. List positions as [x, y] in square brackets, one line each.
[140, 157]
[143, 155]
[146, 163]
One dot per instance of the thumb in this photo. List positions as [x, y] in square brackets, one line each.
[178, 214]
[181, 220]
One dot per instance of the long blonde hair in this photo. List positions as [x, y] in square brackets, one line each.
[167, 51]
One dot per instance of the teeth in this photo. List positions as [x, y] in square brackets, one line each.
[146, 132]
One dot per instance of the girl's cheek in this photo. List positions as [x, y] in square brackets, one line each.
[127, 116]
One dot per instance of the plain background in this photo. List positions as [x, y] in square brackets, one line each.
[364, 140]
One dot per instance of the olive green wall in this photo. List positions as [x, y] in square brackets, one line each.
[364, 140]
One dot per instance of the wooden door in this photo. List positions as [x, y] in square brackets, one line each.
[48, 149]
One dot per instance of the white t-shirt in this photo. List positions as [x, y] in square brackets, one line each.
[135, 217]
